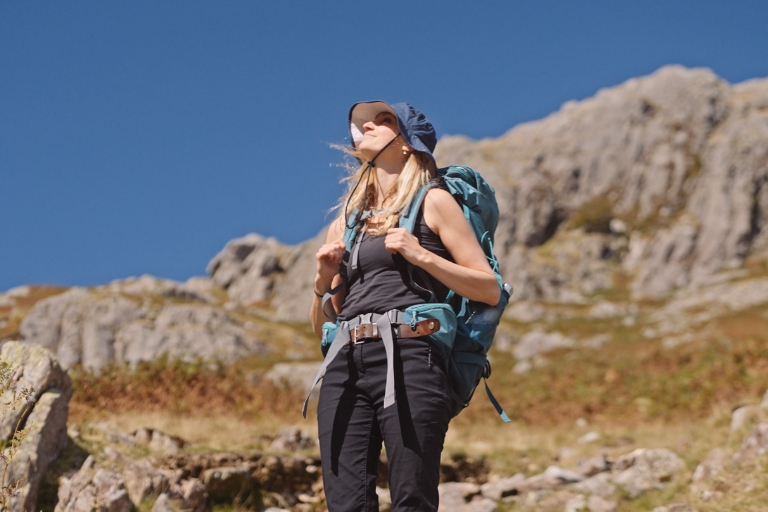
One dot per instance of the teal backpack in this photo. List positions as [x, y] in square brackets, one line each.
[467, 327]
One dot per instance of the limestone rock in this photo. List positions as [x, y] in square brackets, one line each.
[679, 153]
[93, 489]
[192, 494]
[78, 326]
[46, 437]
[460, 497]
[196, 288]
[35, 368]
[228, 483]
[186, 332]
[712, 465]
[496, 490]
[646, 469]
[143, 480]
[755, 445]
[162, 504]
[563, 475]
[598, 485]
[743, 415]
[591, 504]
[537, 342]
[675, 507]
[593, 465]
[292, 439]
[245, 268]
[292, 295]
[650, 139]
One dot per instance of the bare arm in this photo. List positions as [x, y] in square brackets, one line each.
[329, 256]
[470, 276]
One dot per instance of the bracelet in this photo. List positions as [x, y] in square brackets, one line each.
[317, 294]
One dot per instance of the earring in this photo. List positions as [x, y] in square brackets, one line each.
[405, 152]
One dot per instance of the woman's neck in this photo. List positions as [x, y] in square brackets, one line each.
[386, 175]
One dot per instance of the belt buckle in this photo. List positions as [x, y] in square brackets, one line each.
[355, 339]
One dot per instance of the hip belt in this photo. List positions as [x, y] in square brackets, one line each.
[375, 326]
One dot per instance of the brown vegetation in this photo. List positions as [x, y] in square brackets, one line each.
[191, 389]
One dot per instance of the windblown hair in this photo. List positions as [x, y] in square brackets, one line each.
[417, 171]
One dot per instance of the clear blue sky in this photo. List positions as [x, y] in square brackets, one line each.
[139, 137]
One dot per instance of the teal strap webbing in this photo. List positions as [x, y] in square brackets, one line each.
[342, 338]
[495, 403]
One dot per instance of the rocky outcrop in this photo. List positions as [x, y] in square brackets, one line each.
[43, 418]
[668, 151]
[663, 178]
[255, 270]
[93, 489]
[644, 470]
[120, 323]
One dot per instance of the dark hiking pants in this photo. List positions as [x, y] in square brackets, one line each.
[353, 423]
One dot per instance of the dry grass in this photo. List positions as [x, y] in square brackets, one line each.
[181, 389]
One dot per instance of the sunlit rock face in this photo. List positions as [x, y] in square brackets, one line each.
[662, 179]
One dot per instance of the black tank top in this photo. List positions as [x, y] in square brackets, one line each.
[381, 281]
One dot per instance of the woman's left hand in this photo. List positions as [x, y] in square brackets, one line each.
[399, 240]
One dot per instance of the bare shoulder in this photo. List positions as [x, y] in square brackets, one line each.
[439, 202]
[335, 231]
[440, 209]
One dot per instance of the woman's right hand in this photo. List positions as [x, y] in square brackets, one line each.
[329, 257]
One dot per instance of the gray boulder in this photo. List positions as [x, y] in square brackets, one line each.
[44, 418]
[143, 480]
[94, 328]
[79, 326]
[755, 445]
[92, 489]
[186, 332]
[254, 269]
[246, 268]
[646, 469]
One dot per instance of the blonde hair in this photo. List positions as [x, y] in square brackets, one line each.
[417, 171]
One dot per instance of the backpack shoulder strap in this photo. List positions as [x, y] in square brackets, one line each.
[408, 219]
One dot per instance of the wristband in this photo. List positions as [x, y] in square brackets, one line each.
[317, 294]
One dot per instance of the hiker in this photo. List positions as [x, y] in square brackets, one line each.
[366, 397]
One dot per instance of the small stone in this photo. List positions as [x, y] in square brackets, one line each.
[756, 444]
[598, 485]
[743, 415]
[565, 476]
[646, 469]
[164, 443]
[711, 466]
[502, 488]
[593, 465]
[598, 504]
[162, 504]
[292, 439]
[675, 507]
[589, 437]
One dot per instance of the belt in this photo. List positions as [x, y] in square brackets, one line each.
[374, 326]
[361, 332]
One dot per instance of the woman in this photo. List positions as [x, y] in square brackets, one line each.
[394, 144]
